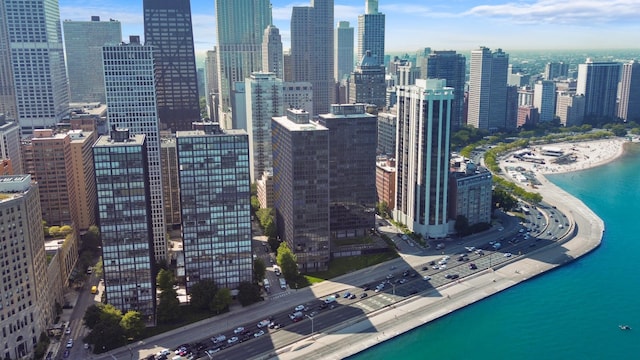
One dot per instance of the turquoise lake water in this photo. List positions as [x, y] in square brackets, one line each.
[569, 313]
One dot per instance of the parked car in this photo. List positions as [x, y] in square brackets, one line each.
[238, 330]
[363, 295]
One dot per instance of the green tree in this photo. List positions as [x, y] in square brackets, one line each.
[168, 306]
[65, 230]
[259, 270]
[462, 225]
[92, 315]
[203, 108]
[270, 229]
[255, 203]
[202, 292]
[132, 323]
[54, 231]
[91, 239]
[288, 262]
[248, 293]
[45, 228]
[221, 301]
[41, 347]
[383, 209]
[165, 280]
[107, 335]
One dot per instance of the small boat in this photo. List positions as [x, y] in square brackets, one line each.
[624, 327]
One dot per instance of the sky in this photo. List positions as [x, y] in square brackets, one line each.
[460, 25]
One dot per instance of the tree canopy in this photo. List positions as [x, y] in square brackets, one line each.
[259, 270]
[248, 293]
[221, 301]
[165, 280]
[202, 293]
[288, 262]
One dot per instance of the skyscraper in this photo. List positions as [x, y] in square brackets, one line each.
[371, 32]
[240, 26]
[301, 187]
[367, 83]
[422, 156]
[343, 53]
[7, 91]
[352, 170]
[272, 56]
[554, 70]
[448, 65]
[212, 92]
[570, 108]
[131, 99]
[629, 106]
[10, 144]
[264, 101]
[216, 207]
[37, 58]
[598, 82]
[125, 221]
[312, 50]
[83, 42]
[544, 98]
[167, 27]
[488, 89]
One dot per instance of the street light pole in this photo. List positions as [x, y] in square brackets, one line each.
[311, 318]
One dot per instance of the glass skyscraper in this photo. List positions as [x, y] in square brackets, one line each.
[167, 27]
[371, 32]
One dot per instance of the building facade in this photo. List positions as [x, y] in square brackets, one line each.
[10, 147]
[544, 98]
[83, 175]
[371, 30]
[598, 82]
[240, 26]
[629, 106]
[301, 187]
[386, 182]
[7, 91]
[352, 171]
[38, 64]
[488, 89]
[170, 182]
[272, 55]
[470, 193]
[450, 66]
[570, 108]
[216, 207]
[83, 42]
[387, 124]
[125, 219]
[422, 157]
[367, 83]
[131, 98]
[343, 42]
[556, 70]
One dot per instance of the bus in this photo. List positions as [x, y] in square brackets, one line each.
[94, 289]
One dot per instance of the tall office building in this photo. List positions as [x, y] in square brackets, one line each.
[131, 98]
[312, 50]
[167, 27]
[28, 307]
[125, 221]
[272, 55]
[10, 147]
[422, 157]
[450, 66]
[301, 187]
[555, 70]
[170, 183]
[212, 93]
[216, 207]
[83, 42]
[387, 133]
[629, 106]
[264, 101]
[544, 98]
[371, 32]
[367, 83]
[37, 58]
[240, 26]
[488, 89]
[343, 42]
[7, 90]
[598, 82]
[352, 170]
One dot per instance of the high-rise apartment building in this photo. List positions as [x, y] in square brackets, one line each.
[598, 82]
[7, 90]
[264, 101]
[27, 308]
[352, 170]
[555, 70]
[167, 27]
[371, 32]
[312, 50]
[544, 98]
[37, 58]
[386, 182]
[570, 108]
[422, 157]
[170, 182]
[301, 187]
[216, 207]
[240, 26]
[125, 219]
[10, 147]
[272, 55]
[83, 175]
[131, 98]
[488, 89]
[367, 83]
[629, 106]
[83, 42]
[450, 66]
[470, 192]
[343, 42]
[387, 121]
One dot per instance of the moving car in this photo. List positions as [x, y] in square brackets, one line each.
[299, 308]
[238, 330]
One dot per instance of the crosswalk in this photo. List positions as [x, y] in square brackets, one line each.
[279, 295]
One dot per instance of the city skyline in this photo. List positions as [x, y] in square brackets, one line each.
[532, 24]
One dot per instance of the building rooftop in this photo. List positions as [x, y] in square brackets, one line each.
[133, 140]
[13, 184]
[293, 126]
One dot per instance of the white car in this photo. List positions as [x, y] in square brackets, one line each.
[232, 340]
[426, 278]
[299, 308]
[238, 330]
[70, 343]
[68, 331]
[507, 254]
[259, 333]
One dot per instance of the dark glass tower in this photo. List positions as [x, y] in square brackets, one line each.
[167, 27]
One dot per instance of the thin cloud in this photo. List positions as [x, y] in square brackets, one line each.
[562, 11]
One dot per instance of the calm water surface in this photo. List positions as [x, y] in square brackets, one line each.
[569, 313]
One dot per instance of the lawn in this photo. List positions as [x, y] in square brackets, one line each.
[344, 265]
[353, 241]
